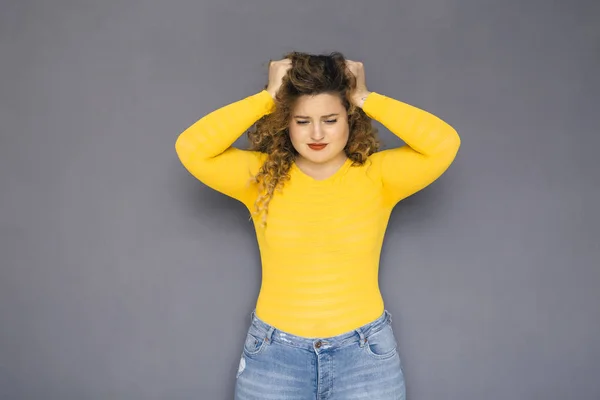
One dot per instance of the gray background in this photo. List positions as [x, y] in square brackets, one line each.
[122, 277]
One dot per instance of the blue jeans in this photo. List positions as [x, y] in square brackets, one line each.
[360, 364]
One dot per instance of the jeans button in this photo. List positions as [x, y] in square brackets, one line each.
[318, 344]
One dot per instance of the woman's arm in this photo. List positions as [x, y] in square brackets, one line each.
[205, 148]
[431, 146]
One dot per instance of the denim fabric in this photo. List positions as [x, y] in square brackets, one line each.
[360, 364]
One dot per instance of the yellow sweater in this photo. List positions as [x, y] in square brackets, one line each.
[321, 247]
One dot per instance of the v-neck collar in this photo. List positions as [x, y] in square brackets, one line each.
[305, 177]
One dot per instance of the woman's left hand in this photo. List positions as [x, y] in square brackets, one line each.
[361, 92]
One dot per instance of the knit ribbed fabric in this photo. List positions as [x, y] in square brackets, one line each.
[321, 247]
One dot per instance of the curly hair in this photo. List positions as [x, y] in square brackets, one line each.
[309, 75]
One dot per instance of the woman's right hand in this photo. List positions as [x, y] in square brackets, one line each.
[277, 70]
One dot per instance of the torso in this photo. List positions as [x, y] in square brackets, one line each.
[320, 253]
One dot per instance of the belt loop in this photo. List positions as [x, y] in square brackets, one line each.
[269, 335]
[389, 316]
[363, 340]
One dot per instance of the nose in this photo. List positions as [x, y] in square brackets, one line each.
[317, 133]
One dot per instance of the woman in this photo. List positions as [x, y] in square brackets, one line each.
[320, 195]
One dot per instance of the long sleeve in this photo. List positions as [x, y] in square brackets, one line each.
[205, 148]
[431, 146]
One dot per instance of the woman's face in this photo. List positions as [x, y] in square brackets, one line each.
[319, 128]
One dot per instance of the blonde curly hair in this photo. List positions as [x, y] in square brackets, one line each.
[309, 75]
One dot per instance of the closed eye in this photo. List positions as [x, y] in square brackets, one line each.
[329, 121]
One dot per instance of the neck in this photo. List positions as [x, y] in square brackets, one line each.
[321, 170]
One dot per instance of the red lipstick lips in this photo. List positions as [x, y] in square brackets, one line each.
[317, 146]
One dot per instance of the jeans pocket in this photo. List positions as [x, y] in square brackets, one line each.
[253, 344]
[381, 344]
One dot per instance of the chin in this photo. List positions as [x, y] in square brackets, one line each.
[321, 157]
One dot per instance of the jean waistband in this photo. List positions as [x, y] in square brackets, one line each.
[262, 329]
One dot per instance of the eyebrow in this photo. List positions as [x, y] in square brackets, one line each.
[324, 116]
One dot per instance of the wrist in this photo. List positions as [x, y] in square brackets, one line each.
[271, 92]
[359, 98]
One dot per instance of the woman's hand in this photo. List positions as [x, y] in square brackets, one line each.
[360, 93]
[277, 70]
